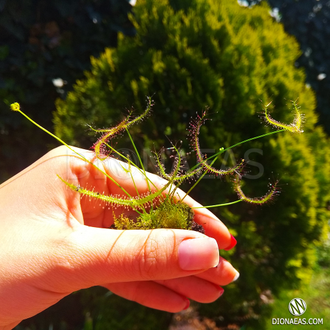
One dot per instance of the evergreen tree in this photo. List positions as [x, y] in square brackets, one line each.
[308, 21]
[202, 53]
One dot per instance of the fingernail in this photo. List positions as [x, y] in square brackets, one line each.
[222, 290]
[233, 242]
[187, 304]
[198, 254]
[236, 276]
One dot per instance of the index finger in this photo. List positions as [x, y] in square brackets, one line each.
[147, 182]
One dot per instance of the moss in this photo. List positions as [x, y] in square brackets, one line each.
[168, 214]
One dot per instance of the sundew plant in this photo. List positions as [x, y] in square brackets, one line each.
[163, 207]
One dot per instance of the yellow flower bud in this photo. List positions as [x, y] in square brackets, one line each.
[15, 107]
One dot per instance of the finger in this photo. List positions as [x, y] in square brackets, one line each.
[223, 274]
[212, 225]
[93, 256]
[169, 295]
[144, 182]
[121, 182]
[194, 288]
[150, 294]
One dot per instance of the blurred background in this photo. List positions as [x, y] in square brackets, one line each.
[70, 63]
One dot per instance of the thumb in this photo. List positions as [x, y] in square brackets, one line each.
[95, 256]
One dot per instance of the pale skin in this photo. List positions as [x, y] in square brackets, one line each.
[54, 242]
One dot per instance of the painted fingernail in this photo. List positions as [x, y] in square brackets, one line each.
[187, 304]
[198, 254]
[236, 276]
[222, 290]
[233, 242]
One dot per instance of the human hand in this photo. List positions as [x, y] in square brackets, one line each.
[54, 242]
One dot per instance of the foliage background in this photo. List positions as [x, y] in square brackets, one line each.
[308, 21]
[189, 55]
[41, 41]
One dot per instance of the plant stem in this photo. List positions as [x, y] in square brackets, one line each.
[248, 140]
[223, 204]
[74, 151]
[222, 150]
[140, 160]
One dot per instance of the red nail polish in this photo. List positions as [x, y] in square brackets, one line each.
[187, 304]
[222, 290]
[233, 242]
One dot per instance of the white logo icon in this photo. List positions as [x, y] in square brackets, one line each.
[297, 306]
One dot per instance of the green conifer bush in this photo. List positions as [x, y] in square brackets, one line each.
[216, 54]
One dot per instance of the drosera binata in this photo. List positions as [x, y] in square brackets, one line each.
[162, 206]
